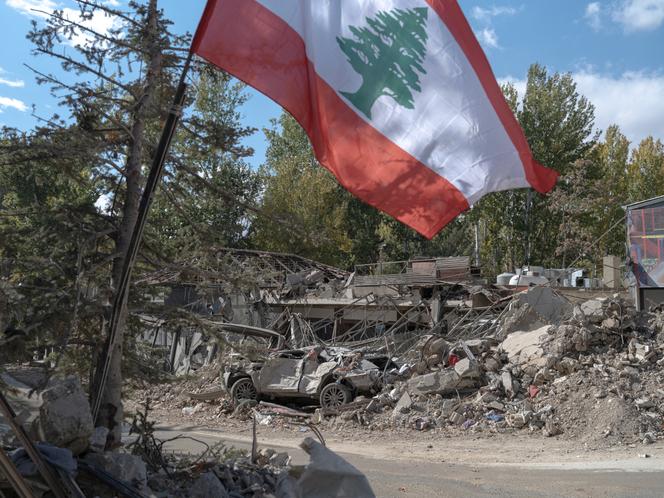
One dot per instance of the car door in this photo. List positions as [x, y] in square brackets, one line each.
[281, 375]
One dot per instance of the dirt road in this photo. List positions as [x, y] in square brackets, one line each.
[484, 467]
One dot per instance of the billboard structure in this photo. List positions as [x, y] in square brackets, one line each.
[645, 237]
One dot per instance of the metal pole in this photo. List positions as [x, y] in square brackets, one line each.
[13, 476]
[46, 472]
[121, 293]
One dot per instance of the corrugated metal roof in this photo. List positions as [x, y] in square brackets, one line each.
[647, 203]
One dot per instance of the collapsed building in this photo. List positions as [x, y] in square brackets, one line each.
[309, 302]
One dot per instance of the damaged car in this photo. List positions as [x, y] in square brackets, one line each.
[331, 377]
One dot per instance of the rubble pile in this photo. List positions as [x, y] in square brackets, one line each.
[589, 372]
[596, 376]
[64, 435]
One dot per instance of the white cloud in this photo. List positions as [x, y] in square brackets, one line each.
[11, 83]
[594, 15]
[640, 15]
[485, 15]
[28, 7]
[632, 101]
[488, 37]
[7, 102]
[100, 22]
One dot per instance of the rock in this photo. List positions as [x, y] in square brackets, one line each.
[442, 382]
[457, 418]
[65, 419]
[551, 429]
[593, 310]
[188, 411]
[644, 403]
[403, 405]
[491, 365]
[467, 369]
[649, 438]
[422, 423]
[521, 317]
[208, 486]
[123, 466]
[508, 384]
[519, 420]
[439, 347]
[526, 347]
[447, 407]
[98, 439]
[496, 406]
[547, 304]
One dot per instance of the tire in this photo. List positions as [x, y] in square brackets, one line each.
[243, 390]
[335, 395]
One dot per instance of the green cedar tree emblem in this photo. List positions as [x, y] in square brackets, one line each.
[388, 54]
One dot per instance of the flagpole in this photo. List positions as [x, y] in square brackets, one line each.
[121, 291]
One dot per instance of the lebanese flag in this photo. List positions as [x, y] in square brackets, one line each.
[396, 96]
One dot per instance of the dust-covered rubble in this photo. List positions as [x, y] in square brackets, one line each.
[592, 374]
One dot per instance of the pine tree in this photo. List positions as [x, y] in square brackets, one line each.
[388, 54]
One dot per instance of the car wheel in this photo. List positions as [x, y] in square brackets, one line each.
[242, 390]
[334, 395]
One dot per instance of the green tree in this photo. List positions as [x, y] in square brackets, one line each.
[522, 227]
[202, 204]
[117, 88]
[595, 189]
[646, 170]
[388, 55]
[304, 195]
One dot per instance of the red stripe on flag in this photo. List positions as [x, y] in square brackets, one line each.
[542, 179]
[250, 42]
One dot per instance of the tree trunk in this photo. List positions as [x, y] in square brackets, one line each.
[111, 413]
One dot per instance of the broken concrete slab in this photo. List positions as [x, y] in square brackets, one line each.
[547, 304]
[467, 369]
[65, 419]
[526, 347]
[593, 310]
[403, 405]
[442, 382]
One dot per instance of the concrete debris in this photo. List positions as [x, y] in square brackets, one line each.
[589, 371]
[443, 382]
[404, 404]
[65, 419]
[208, 485]
[122, 466]
[98, 439]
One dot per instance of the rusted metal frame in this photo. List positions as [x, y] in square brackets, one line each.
[47, 473]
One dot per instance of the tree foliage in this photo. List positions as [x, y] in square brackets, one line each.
[519, 226]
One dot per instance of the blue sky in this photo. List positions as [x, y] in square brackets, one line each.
[614, 49]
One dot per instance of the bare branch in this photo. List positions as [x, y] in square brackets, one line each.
[110, 11]
[85, 67]
[81, 94]
[95, 33]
